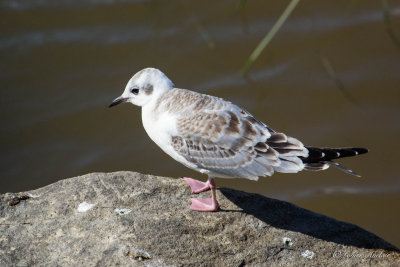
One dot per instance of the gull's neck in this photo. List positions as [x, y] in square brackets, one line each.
[151, 109]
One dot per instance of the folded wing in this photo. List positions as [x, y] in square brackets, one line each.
[230, 142]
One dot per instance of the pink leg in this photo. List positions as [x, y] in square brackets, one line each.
[197, 186]
[205, 204]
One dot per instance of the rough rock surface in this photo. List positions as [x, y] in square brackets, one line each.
[144, 220]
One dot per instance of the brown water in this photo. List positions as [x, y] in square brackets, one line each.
[61, 65]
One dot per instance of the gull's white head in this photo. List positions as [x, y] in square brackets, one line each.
[143, 86]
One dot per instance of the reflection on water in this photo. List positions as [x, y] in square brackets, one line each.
[64, 61]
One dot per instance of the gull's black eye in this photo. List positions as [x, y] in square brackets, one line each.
[135, 91]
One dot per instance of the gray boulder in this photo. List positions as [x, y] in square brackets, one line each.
[131, 219]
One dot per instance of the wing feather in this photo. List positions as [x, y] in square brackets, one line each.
[230, 142]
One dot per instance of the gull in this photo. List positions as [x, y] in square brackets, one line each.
[217, 138]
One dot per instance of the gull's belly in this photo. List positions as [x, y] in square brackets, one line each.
[161, 129]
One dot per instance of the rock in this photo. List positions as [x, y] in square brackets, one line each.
[125, 218]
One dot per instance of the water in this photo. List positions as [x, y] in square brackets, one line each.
[62, 64]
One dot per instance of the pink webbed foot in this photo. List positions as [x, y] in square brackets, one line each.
[197, 186]
[204, 204]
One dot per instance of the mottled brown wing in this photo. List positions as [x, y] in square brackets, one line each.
[230, 143]
[219, 136]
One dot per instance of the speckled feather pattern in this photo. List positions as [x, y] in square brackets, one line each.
[217, 135]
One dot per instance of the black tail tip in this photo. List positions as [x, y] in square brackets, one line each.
[360, 150]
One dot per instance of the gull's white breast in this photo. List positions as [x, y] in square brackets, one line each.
[160, 127]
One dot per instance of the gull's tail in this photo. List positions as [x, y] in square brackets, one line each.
[321, 158]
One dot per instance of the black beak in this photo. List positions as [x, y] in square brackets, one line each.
[117, 101]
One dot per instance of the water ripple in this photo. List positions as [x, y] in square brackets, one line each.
[31, 4]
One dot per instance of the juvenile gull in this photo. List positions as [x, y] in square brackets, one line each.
[217, 138]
